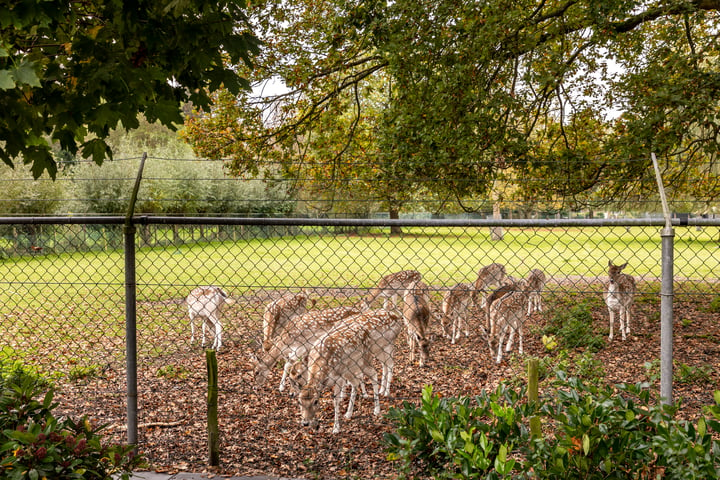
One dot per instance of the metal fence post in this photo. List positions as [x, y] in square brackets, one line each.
[131, 312]
[666, 317]
[131, 333]
[666, 295]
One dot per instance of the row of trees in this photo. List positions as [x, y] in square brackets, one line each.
[174, 183]
[556, 99]
[455, 102]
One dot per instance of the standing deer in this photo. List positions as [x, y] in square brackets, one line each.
[386, 327]
[507, 315]
[279, 312]
[297, 339]
[536, 282]
[619, 297]
[207, 303]
[416, 315]
[340, 358]
[390, 287]
[455, 306]
[493, 274]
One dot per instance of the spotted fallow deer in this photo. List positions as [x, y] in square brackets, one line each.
[297, 339]
[535, 283]
[389, 288]
[341, 357]
[488, 276]
[387, 325]
[508, 314]
[416, 315]
[278, 312]
[207, 304]
[619, 297]
[455, 308]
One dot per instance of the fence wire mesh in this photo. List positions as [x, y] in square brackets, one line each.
[63, 312]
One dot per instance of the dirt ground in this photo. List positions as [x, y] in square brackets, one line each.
[260, 430]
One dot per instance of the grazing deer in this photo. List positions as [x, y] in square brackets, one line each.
[455, 306]
[490, 275]
[416, 315]
[381, 345]
[207, 303]
[296, 340]
[280, 311]
[390, 287]
[507, 315]
[619, 297]
[341, 358]
[535, 283]
[509, 285]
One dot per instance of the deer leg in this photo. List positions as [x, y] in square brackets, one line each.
[338, 394]
[286, 372]
[204, 327]
[351, 402]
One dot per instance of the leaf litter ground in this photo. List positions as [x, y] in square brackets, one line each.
[259, 426]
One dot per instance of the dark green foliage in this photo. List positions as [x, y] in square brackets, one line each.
[71, 72]
[36, 444]
[451, 437]
[590, 432]
[573, 328]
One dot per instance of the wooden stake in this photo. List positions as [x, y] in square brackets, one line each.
[212, 401]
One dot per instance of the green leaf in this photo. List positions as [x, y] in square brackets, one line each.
[702, 427]
[586, 443]
[6, 80]
[25, 74]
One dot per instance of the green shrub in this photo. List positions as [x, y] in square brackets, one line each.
[457, 438]
[573, 328]
[590, 432]
[35, 444]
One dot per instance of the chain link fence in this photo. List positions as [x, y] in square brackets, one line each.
[64, 301]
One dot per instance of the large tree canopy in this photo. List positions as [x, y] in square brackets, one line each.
[571, 95]
[70, 71]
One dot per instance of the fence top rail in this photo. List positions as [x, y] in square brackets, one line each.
[338, 222]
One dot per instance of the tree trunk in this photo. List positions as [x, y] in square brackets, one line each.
[395, 215]
[496, 233]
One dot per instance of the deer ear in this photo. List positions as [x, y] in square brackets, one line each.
[610, 263]
[623, 265]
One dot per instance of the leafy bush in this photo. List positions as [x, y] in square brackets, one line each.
[449, 437]
[591, 432]
[35, 444]
[573, 328]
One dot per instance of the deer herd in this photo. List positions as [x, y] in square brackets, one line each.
[336, 348]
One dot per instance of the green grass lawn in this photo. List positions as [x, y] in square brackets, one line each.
[81, 295]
